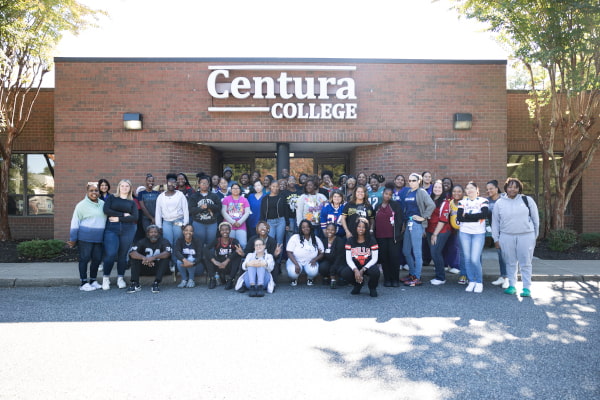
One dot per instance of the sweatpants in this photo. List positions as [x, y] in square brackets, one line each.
[517, 252]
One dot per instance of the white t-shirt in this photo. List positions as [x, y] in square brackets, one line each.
[304, 252]
[473, 207]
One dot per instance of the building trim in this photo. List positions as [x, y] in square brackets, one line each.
[272, 60]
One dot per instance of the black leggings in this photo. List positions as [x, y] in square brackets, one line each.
[373, 274]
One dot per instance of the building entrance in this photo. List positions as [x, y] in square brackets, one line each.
[266, 163]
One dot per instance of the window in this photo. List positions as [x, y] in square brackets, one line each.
[528, 168]
[31, 184]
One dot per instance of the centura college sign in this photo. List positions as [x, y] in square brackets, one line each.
[324, 96]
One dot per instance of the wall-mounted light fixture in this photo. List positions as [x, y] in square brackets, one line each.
[463, 121]
[132, 121]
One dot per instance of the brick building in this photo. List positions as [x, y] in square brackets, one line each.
[384, 116]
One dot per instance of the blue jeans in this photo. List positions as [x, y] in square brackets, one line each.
[240, 235]
[502, 263]
[257, 276]
[206, 233]
[277, 231]
[118, 238]
[413, 243]
[89, 251]
[437, 255]
[472, 248]
[188, 274]
[172, 232]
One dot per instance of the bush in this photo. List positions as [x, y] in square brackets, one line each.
[41, 248]
[562, 239]
[590, 239]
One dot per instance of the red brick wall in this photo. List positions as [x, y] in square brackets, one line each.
[79, 163]
[409, 107]
[38, 135]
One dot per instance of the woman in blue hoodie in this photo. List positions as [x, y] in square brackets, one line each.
[87, 231]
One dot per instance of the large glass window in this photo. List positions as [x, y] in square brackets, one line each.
[528, 168]
[31, 184]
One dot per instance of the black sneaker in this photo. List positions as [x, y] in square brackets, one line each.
[252, 291]
[373, 292]
[243, 289]
[155, 288]
[260, 291]
[212, 283]
[229, 284]
[134, 288]
[333, 284]
[357, 288]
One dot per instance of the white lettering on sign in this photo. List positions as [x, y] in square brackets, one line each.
[287, 87]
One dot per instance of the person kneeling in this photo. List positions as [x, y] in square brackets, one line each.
[154, 252]
[223, 257]
[362, 252]
[258, 266]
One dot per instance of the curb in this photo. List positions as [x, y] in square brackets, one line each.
[168, 281]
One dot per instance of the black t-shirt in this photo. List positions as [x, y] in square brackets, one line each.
[353, 211]
[361, 253]
[221, 252]
[148, 249]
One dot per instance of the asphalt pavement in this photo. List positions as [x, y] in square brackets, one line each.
[432, 342]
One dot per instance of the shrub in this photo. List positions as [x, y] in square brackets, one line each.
[562, 239]
[590, 239]
[40, 248]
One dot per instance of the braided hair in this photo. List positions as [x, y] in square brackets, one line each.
[312, 233]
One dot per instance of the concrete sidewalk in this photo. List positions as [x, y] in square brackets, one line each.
[66, 274]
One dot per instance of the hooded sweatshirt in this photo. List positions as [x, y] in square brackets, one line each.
[511, 216]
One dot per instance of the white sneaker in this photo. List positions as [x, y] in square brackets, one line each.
[105, 283]
[436, 282]
[172, 268]
[470, 287]
[87, 288]
[405, 267]
[454, 271]
[506, 283]
[294, 282]
[182, 284]
[478, 288]
[121, 283]
[191, 284]
[96, 285]
[309, 282]
[101, 268]
[499, 281]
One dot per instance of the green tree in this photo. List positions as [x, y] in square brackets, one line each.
[29, 33]
[562, 38]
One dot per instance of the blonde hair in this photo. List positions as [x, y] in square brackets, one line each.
[130, 193]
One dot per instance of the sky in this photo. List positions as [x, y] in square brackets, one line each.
[397, 29]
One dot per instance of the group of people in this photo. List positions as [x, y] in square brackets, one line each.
[349, 233]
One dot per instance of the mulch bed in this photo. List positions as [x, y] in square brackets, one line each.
[575, 253]
[9, 254]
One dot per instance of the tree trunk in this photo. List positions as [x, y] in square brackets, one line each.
[548, 209]
[4, 177]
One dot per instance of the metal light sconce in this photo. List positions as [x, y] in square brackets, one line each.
[132, 121]
[463, 121]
